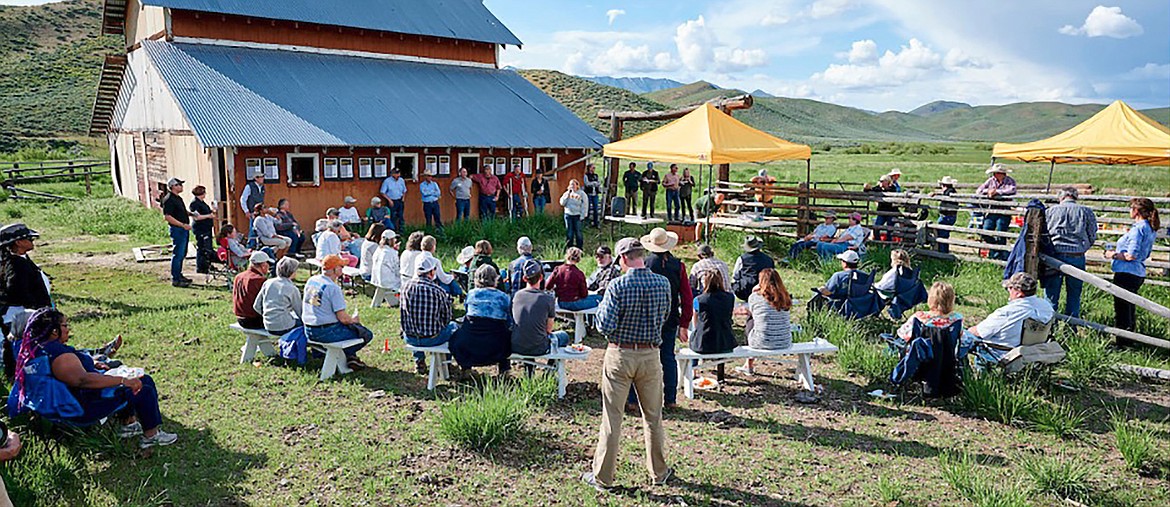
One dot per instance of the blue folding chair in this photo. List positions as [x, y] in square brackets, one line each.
[932, 357]
[908, 292]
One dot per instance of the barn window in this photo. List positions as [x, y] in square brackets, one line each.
[407, 164]
[546, 163]
[302, 169]
[469, 161]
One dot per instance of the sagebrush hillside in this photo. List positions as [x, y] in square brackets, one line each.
[585, 98]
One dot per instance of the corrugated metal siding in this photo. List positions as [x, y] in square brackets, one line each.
[457, 19]
[256, 97]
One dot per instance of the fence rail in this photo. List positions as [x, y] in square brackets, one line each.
[19, 173]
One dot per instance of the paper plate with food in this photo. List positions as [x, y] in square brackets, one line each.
[706, 383]
[577, 348]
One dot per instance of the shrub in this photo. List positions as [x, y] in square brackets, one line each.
[962, 472]
[484, 417]
[1059, 476]
[1135, 443]
[1057, 419]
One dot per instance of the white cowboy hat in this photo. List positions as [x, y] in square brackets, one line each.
[465, 255]
[998, 168]
[659, 240]
[894, 171]
[947, 180]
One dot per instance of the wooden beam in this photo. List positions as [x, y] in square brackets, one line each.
[1106, 286]
[1129, 335]
[729, 104]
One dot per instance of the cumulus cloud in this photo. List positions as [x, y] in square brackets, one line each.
[700, 50]
[619, 58]
[912, 62]
[613, 14]
[863, 52]
[1106, 22]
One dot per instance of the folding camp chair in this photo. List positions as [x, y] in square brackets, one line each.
[931, 357]
[908, 292]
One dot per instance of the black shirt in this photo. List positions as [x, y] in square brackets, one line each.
[200, 207]
[686, 185]
[21, 283]
[172, 206]
[650, 181]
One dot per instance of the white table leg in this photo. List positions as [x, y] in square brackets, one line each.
[562, 379]
[689, 380]
[804, 371]
[433, 372]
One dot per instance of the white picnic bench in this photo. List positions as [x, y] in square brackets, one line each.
[580, 321]
[381, 295]
[259, 339]
[439, 359]
[799, 353]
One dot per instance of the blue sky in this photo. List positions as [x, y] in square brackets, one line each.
[873, 54]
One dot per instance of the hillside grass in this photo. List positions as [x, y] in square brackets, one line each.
[267, 434]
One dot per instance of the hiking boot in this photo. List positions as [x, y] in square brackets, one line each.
[420, 367]
[160, 438]
[182, 284]
[129, 430]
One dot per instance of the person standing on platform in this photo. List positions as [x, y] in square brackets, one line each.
[461, 191]
[540, 193]
[517, 188]
[670, 183]
[252, 195]
[394, 191]
[177, 218]
[631, 180]
[202, 220]
[489, 191]
[1073, 229]
[649, 190]
[948, 212]
[630, 317]
[576, 211]
[1129, 259]
[686, 187]
[998, 186]
[593, 190]
[430, 193]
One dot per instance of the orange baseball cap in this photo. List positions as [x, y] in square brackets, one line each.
[332, 262]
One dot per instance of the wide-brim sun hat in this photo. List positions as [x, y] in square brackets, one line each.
[465, 255]
[659, 240]
[752, 243]
[947, 180]
[12, 233]
[998, 168]
[894, 171]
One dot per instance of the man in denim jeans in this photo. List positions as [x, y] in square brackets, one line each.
[178, 218]
[1073, 228]
[426, 311]
[323, 311]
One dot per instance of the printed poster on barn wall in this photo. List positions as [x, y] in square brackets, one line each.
[380, 168]
[272, 170]
[444, 165]
[252, 166]
[501, 165]
[431, 165]
[330, 168]
[345, 168]
[365, 168]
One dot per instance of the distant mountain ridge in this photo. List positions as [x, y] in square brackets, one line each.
[938, 106]
[637, 85]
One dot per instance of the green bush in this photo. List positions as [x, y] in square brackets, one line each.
[1135, 443]
[963, 473]
[991, 395]
[485, 416]
[1059, 476]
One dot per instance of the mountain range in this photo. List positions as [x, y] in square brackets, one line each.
[50, 58]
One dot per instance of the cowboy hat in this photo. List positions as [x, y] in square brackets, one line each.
[894, 171]
[998, 168]
[12, 233]
[947, 180]
[659, 240]
[752, 243]
[465, 255]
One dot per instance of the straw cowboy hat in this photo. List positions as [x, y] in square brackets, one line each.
[465, 255]
[659, 240]
[752, 243]
[894, 171]
[998, 168]
[947, 180]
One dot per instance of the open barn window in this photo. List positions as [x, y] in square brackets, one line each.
[407, 164]
[469, 161]
[546, 163]
[303, 169]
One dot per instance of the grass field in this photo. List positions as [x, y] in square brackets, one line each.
[269, 434]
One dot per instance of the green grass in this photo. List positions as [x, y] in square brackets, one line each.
[1059, 476]
[485, 416]
[974, 482]
[1134, 441]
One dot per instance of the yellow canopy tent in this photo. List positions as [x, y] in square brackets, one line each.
[707, 136]
[1116, 135]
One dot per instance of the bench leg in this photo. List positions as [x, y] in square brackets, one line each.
[688, 378]
[248, 351]
[433, 372]
[804, 372]
[329, 366]
[444, 366]
[268, 348]
[379, 295]
[562, 378]
[579, 327]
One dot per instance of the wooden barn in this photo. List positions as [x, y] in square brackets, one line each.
[323, 98]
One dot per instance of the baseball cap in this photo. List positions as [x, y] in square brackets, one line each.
[174, 181]
[849, 256]
[332, 211]
[628, 245]
[389, 234]
[376, 200]
[259, 257]
[531, 268]
[602, 251]
[332, 261]
[1022, 282]
[426, 264]
[349, 199]
[855, 216]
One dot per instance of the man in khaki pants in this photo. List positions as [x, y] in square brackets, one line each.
[630, 316]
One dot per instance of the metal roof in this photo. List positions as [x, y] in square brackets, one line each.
[235, 96]
[456, 19]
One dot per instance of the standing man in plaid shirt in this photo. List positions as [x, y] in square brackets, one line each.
[630, 316]
[426, 311]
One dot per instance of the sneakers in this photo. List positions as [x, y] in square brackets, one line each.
[666, 477]
[745, 371]
[160, 438]
[590, 479]
[130, 430]
[111, 348]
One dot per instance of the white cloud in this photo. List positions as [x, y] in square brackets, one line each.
[613, 14]
[700, 50]
[1150, 71]
[1106, 22]
[863, 52]
[826, 8]
[620, 58]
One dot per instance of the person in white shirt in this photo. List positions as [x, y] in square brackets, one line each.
[409, 258]
[898, 258]
[1002, 329]
[442, 277]
[385, 272]
[348, 213]
[823, 232]
[853, 238]
[326, 242]
[369, 246]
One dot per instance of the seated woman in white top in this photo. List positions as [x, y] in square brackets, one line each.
[279, 300]
[769, 327]
[366, 263]
[409, 257]
[898, 258]
[384, 272]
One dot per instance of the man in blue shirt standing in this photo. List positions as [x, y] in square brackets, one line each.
[394, 191]
[1073, 228]
[430, 192]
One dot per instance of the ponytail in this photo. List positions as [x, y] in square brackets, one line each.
[1146, 209]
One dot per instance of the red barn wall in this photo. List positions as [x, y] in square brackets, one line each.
[244, 29]
[309, 203]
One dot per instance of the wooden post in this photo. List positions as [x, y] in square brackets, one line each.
[1051, 169]
[1035, 223]
[615, 135]
[802, 212]
[88, 188]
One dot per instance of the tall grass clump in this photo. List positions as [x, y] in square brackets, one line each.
[1135, 443]
[1057, 419]
[962, 472]
[1090, 359]
[1059, 476]
[993, 396]
[536, 390]
[485, 416]
[891, 491]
